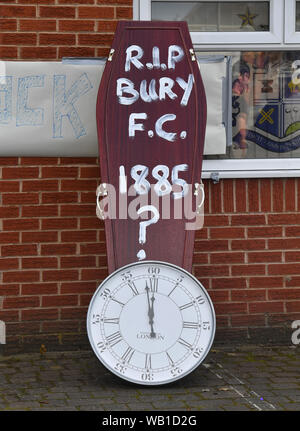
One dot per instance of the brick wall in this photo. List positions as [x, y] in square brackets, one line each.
[53, 246]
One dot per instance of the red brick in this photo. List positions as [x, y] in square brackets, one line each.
[219, 296]
[39, 185]
[248, 244]
[94, 274]
[211, 271]
[200, 258]
[91, 223]
[40, 211]
[9, 290]
[19, 250]
[96, 248]
[285, 268]
[76, 25]
[292, 231]
[248, 295]
[248, 270]
[78, 236]
[65, 326]
[246, 220]
[96, 12]
[124, 12]
[19, 173]
[248, 320]
[37, 25]
[228, 196]
[95, 39]
[8, 24]
[78, 287]
[59, 197]
[107, 26]
[253, 195]
[40, 315]
[59, 172]
[37, 237]
[58, 249]
[227, 257]
[59, 300]
[17, 11]
[292, 256]
[263, 257]
[265, 194]
[285, 294]
[87, 198]
[240, 195]
[228, 232]
[8, 52]
[76, 52]
[78, 262]
[39, 288]
[9, 186]
[85, 300]
[277, 194]
[216, 220]
[20, 198]
[57, 12]
[59, 223]
[104, 52]
[60, 275]
[231, 308]
[76, 2]
[283, 244]
[9, 237]
[18, 38]
[21, 276]
[291, 282]
[77, 210]
[266, 307]
[265, 282]
[39, 262]
[9, 316]
[79, 161]
[89, 172]
[229, 283]
[261, 232]
[57, 39]
[20, 224]
[21, 302]
[292, 306]
[78, 185]
[35, 53]
[9, 212]
[282, 219]
[290, 194]
[39, 161]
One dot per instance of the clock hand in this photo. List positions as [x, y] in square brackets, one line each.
[150, 311]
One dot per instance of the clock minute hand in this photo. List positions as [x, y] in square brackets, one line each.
[150, 311]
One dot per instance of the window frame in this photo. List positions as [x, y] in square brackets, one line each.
[290, 35]
[274, 36]
[279, 40]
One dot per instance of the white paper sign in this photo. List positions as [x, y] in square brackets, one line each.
[49, 109]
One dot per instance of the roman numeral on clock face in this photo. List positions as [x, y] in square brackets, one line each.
[114, 320]
[133, 287]
[114, 338]
[191, 325]
[185, 343]
[128, 354]
[190, 304]
[153, 284]
[148, 361]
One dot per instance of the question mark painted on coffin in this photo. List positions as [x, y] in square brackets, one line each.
[143, 226]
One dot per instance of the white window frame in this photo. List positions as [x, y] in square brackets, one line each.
[281, 12]
[290, 34]
[274, 36]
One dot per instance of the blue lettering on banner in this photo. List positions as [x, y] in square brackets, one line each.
[28, 116]
[63, 104]
[5, 99]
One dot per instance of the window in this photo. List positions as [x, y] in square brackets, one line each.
[292, 21]
[265, 95]
[220, 22]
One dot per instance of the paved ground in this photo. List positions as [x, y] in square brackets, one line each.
[246, 378]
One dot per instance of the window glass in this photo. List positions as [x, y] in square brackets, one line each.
[265, 106]
[297, 15]
[215, 16]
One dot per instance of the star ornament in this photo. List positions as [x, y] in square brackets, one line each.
[247, 19]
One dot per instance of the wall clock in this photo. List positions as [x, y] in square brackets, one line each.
[151, 322]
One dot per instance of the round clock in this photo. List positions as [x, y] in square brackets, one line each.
[151, 322]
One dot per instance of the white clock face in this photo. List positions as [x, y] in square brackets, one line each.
[151, 322]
